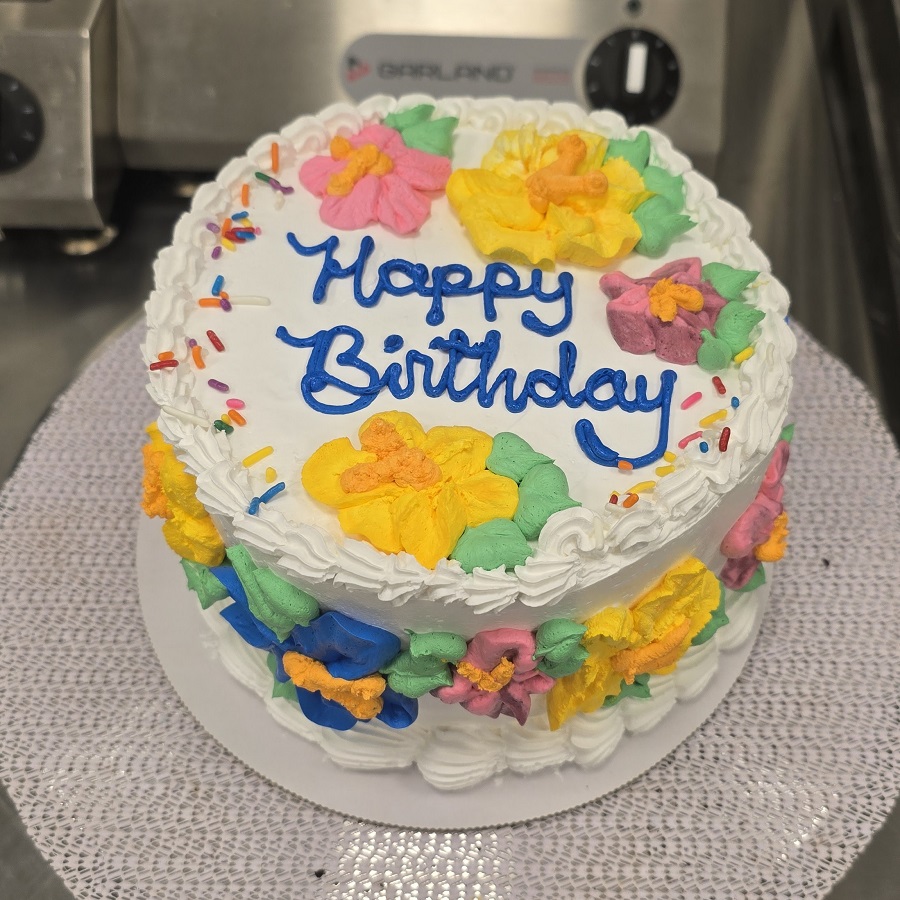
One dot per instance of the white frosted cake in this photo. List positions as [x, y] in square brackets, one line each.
[471, 430]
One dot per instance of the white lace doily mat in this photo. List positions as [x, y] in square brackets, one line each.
[127, 796]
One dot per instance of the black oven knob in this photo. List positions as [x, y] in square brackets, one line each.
[21, 123]
[634, 72]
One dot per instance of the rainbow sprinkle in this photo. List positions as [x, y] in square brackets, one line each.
[712, 418]
[256, 502]
[614, 498]
[217, 285]
[184, 416]
[723, 439]
[236, 417]
[744, 355]
[704, 447]
[669, 456]
[218, 385]
[630, 500]
[219, 425]
[245, 194]
[624, 465]
[216, 252]
[163, 364]
[664, 470]
[215, 340]
[271, 475]
[690, 401]
[254, 458]
[735, 403]
[276, 157]
[717, 383]
[197, 356]
[642, 486]
[234, 403]
[250, 301]
[691, 437]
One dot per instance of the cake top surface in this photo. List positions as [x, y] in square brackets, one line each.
[312, 329]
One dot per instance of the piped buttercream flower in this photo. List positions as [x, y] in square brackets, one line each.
[497, 675]
[760, 534]
[408, 490]
[170, 492]
[335, 668]
[663, 313]
[537, 199]
[648, 637]
[372, 176]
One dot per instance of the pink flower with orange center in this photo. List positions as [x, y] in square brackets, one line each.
[373, 176]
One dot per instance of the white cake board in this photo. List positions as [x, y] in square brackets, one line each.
[237, 718]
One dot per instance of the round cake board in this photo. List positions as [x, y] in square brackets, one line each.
[237, 718]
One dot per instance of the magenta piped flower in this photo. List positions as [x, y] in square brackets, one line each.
[663, 313]
[760, 534]
[373, 176]
[497, 676]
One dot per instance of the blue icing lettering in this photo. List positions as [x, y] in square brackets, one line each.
[541, 387]
[500, 281]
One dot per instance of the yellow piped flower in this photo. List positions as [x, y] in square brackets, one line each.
[360, 697]
[537, 199]
[648, 637]
[171, 493]
[408, 490]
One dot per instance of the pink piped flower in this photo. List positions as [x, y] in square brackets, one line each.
[373, 176]
[497, 676]
[758, 523]
[663, 313]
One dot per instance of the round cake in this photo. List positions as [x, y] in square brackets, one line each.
[472, 429]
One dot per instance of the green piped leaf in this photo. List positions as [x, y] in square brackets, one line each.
[443, 645]
[273, 601]
[729, 282]
[420, 132]
[716, 621]
[667, 185]
[543, 491]
[513, 457]
[285, 689]
[787, 433]
[406, 118]
[639, 689]
[491, 545]
[203, 583]
[636, 151]
[559, 643]
[660, 223]
[714, 354]
[735, 323]
[415, 677]
[757, 579]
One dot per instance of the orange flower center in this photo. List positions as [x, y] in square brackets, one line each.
[361, 161]
[499, 677]
[556, 182]
[361, 698]
[656, 655]
[397, 463]
[772, 549]
[667, 295]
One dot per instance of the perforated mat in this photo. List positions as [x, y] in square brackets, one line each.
[128, 797]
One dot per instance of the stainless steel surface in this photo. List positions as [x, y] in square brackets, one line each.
[777, 163]
[64, 52]
[237, 93]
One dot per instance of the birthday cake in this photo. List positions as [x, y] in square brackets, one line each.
[471, 429]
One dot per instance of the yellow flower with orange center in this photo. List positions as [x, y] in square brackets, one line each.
[648, 637]
[408, 490]
[539, 198]
[171, 493]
